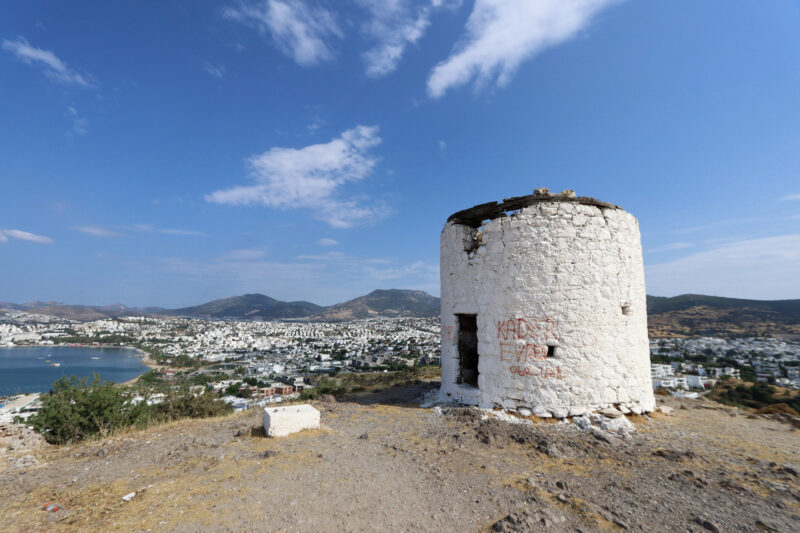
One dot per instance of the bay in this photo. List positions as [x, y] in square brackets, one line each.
[24, 369]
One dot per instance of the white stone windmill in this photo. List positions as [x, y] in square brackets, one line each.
[544, 308]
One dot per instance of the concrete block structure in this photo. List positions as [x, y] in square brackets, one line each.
[543, 307]
[282, 421]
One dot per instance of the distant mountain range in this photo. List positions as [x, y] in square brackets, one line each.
[685, 315]
[80, 312]
[378, 303]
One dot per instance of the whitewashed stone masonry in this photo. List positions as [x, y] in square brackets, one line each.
[559, 294]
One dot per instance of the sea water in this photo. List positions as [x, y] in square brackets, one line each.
[25, 369]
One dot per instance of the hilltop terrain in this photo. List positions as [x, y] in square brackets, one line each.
[681, 316]
[381, 463]
[249, 306]
[699, 315]
[386, 303]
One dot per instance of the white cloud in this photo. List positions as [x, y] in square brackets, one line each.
[791, 197]
[311, 177]
[299, 31]
[394, 25]
[501, 34]
[51, 65]
[764, 268]
[24, 236]
[3, 237]
[671, 246]
[327, 242]
[96, 231]
[217, 71]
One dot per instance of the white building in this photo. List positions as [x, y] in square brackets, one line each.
[543, 307]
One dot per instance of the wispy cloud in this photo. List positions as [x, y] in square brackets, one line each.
[23, 236]
[394, 25]
[501, 34]
[790, 197]
[217, 71]
[80, 125]
[51, 65]
[245, 255]
[299, 31]
[166, 231]
[671, 246]
[327, 242]
[311, 178]
[763, 268]
[96, 231]
[723, 223]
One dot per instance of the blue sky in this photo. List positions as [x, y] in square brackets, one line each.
[169, 153]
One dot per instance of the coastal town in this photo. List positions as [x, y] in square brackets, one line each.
[250, 363]
[253, 363]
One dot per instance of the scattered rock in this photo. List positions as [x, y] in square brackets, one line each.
[707, 524]
[328, 398]
[675, 455]
[621, 426]
[691, 477]
[602, 436]
[365, 436]
[529, 520]
[767, 525]
[666, 410]
[128, 497]
[525, 412]
[791, 469]
[610, 412]
[268, 454]
[24, 461]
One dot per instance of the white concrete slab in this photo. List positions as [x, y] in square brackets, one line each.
[282, 421]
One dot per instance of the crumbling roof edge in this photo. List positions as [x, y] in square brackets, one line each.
[475, 215]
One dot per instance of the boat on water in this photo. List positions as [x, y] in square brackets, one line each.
[95, 357]
[56, 364]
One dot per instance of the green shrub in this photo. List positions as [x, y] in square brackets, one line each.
[186, 405]
[75, 409]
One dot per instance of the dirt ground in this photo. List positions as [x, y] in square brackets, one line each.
[382, 463]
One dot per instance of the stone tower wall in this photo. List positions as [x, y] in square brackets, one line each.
[558, 290]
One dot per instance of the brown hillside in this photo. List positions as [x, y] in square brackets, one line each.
[380, 464]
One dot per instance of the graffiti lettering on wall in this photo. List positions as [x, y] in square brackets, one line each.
[526, 342]
[537, 329]
[536, 371]
[521, 353]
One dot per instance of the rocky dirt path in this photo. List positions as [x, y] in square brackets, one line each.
[382, 464]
